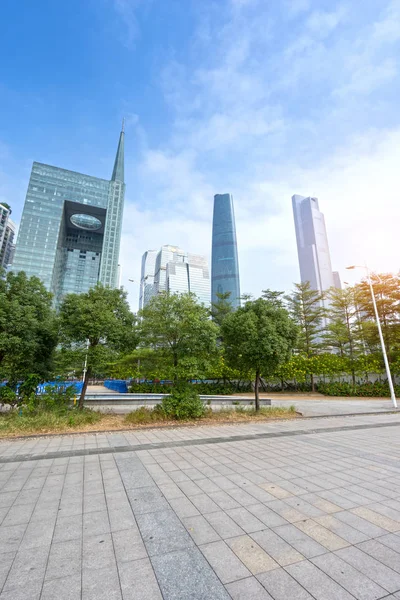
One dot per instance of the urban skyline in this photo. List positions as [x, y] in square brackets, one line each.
[173, 270]
[70, 228]
[7, 236]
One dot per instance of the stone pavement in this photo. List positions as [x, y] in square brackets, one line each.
[286, 510]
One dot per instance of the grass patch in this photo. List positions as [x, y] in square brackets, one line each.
[143, 416]
[47, 421]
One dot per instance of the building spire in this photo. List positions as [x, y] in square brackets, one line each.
[118, 171]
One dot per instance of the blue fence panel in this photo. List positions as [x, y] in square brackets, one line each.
[116, 385]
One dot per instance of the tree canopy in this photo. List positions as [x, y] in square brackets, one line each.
[259, 336]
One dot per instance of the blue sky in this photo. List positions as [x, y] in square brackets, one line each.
[261, 98]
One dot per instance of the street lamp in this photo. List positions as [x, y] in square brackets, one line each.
[378, 323]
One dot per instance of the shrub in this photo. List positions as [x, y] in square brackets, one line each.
[145, 415]
[183, 403]
[377, 389]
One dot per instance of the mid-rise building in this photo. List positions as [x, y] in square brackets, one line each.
[173, 270]
[224, 262]
[312, 243]
[7, 236]
[70, 228]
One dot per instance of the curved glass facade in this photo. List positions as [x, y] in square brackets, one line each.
[225, 265]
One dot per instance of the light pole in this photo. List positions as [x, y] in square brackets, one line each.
[378, 324]
[86, 358]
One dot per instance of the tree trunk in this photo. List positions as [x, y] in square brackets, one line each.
[312, 382]
[84, 388]
[257, 391]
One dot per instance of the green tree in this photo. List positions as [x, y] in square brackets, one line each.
[180, 333]
[343, 332]
[387, 294]
[306, 307]
[221, 308]
[259, 337]
[28, 328]
[94, 324]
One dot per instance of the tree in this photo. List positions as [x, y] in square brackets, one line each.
[179, 331]
[95, 323]
[28, 328]
[307, 309]
[387, 295]
[343, 334]
[221, 308]
[259, 337]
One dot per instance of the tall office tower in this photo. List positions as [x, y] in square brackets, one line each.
[175, 271]
[224, 262]
[71, 227]
[312, 243]
[147, 277]
[336, 280]
[7, 235]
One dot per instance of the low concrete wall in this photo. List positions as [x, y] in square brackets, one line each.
[135, 401]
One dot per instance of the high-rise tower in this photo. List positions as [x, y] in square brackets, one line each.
[224, 263]
[312, 243]
[70, 228]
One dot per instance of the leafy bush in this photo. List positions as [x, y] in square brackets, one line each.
[53, 400]
[203, 388]
[377, 389]
[43, 422]
[183, 403]
[145, 415]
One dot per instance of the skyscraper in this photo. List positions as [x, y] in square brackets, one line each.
[70, 228]
[224, 262]
[173, 270]
[312, 243]
[7, 234]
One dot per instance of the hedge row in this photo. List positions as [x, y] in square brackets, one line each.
[377, 389]
[212, 389]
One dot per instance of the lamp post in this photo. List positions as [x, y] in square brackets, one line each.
[378, 324]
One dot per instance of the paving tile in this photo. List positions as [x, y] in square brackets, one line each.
[200, 530]
[147, 499]
[323, 536]
[28, 566]
[224, 500]
[375, 570]
[68, 528]
[275, 490]
[248, 522]
[96, 523]
[64, 559]
[381, 552]
[224, 525]
[277, 548]
[186, 574]
[319, 585]
[101, 584]
[128, 545]
[348, 577]
[138, 581]
[163, 532]
[248, 589]
[31, 591]
[224, 562]
[302, 542]
[64, 588]
[266, 515]
[251, 554]
[282, 586]
[366, 527]
[6, 561]
[392, 541]
[377, 519]
[98, 552]
[10, 537]
[184, 507]
[346, 532]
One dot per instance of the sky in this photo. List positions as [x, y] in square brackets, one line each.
[260, 98]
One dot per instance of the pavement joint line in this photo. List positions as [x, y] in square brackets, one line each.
[192, 442]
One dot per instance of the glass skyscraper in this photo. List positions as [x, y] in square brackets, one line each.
[224, 262]
[312, 244]
[7, 234]
[172, 270]
[70, 228]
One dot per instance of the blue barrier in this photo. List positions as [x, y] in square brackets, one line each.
[58, 385]
[116, 385]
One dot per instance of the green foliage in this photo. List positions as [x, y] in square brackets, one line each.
[183, 403]
[28, 328]
[377, 389]
[203, 388]
[180, 334]
[53, 400]
[307, 310]
[145, 415]
[221, 308]
[259, 337]
[46, 421]
[96, 324]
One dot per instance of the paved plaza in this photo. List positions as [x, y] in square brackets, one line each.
[289, 510]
